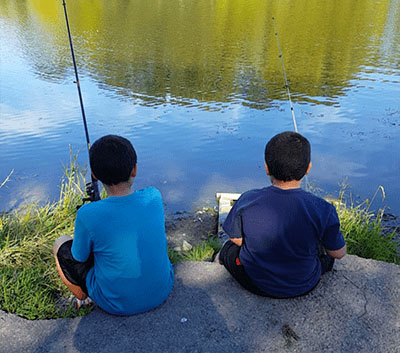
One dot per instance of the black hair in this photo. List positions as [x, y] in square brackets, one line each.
[112, 159]
[288, 155]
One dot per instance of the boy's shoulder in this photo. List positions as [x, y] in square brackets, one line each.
[250, 197]
[252, 194]
[317, 200]
[256, 197]
[142, 196]
[150, 191]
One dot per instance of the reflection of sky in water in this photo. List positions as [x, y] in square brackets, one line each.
[188, 148]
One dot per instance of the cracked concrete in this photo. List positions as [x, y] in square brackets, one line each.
[355, 308]
[363, 293]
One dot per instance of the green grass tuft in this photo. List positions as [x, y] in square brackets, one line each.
[29, 282]
[364, 232]
[205, 251]
[174, 256]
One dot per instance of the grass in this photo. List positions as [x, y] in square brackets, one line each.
[364, 231]
[30, 286]
[201, 252]
[29, 283]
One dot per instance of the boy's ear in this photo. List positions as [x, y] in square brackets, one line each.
[266, 168]
[309, 168]
[134, 171]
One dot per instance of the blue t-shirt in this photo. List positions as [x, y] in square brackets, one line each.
[132, 272]
[281, 231]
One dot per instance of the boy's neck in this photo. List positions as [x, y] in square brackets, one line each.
[286, 185]
[121, 189]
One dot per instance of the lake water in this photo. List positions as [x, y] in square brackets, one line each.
[198, 88]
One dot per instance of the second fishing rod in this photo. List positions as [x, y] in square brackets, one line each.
[287, 89]
[92, 188]
[285, 76]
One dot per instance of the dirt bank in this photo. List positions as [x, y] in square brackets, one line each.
[191, 227]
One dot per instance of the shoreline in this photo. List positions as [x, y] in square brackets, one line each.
[199, 225]
[188, 229]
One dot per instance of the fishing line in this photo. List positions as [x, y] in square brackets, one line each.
[284, 74]
[92, 188]
[288, 90]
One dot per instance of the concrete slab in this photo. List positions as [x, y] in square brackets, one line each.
[356, 308]
[225, 201]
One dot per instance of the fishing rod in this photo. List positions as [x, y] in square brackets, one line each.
[284, 74]
[92, 188]
[288, 90]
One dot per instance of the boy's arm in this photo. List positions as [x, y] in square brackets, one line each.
[337, 254]
[233, 224]
[333, 238]
[81, 246]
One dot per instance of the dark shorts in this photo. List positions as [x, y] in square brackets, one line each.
[229, 257]
[73, 270]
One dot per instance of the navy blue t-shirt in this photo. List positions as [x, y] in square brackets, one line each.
[281, 231]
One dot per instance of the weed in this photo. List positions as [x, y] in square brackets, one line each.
[29, 282]
[363, 230]
[204, 251]
[174, 256]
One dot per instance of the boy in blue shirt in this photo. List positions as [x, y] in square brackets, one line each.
[282, 238]
[118, 256]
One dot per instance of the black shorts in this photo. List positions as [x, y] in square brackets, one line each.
[229, 257]
[73, 270]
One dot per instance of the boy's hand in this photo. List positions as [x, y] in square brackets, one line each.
[237, 241]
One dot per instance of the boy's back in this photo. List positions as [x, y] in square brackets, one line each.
[118, 256]
[282, 239]
[282, 231]
[131, 272]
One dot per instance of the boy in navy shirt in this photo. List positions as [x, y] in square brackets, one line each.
[282, 238]
[118, 256]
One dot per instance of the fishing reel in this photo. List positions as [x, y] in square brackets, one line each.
[92, 192]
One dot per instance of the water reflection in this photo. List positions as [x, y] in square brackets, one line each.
[210, 51]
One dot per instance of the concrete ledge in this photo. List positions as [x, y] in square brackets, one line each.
[356, 308]
[225, 201]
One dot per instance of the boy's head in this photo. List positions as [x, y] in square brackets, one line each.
[287, 156]
[112, 159]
